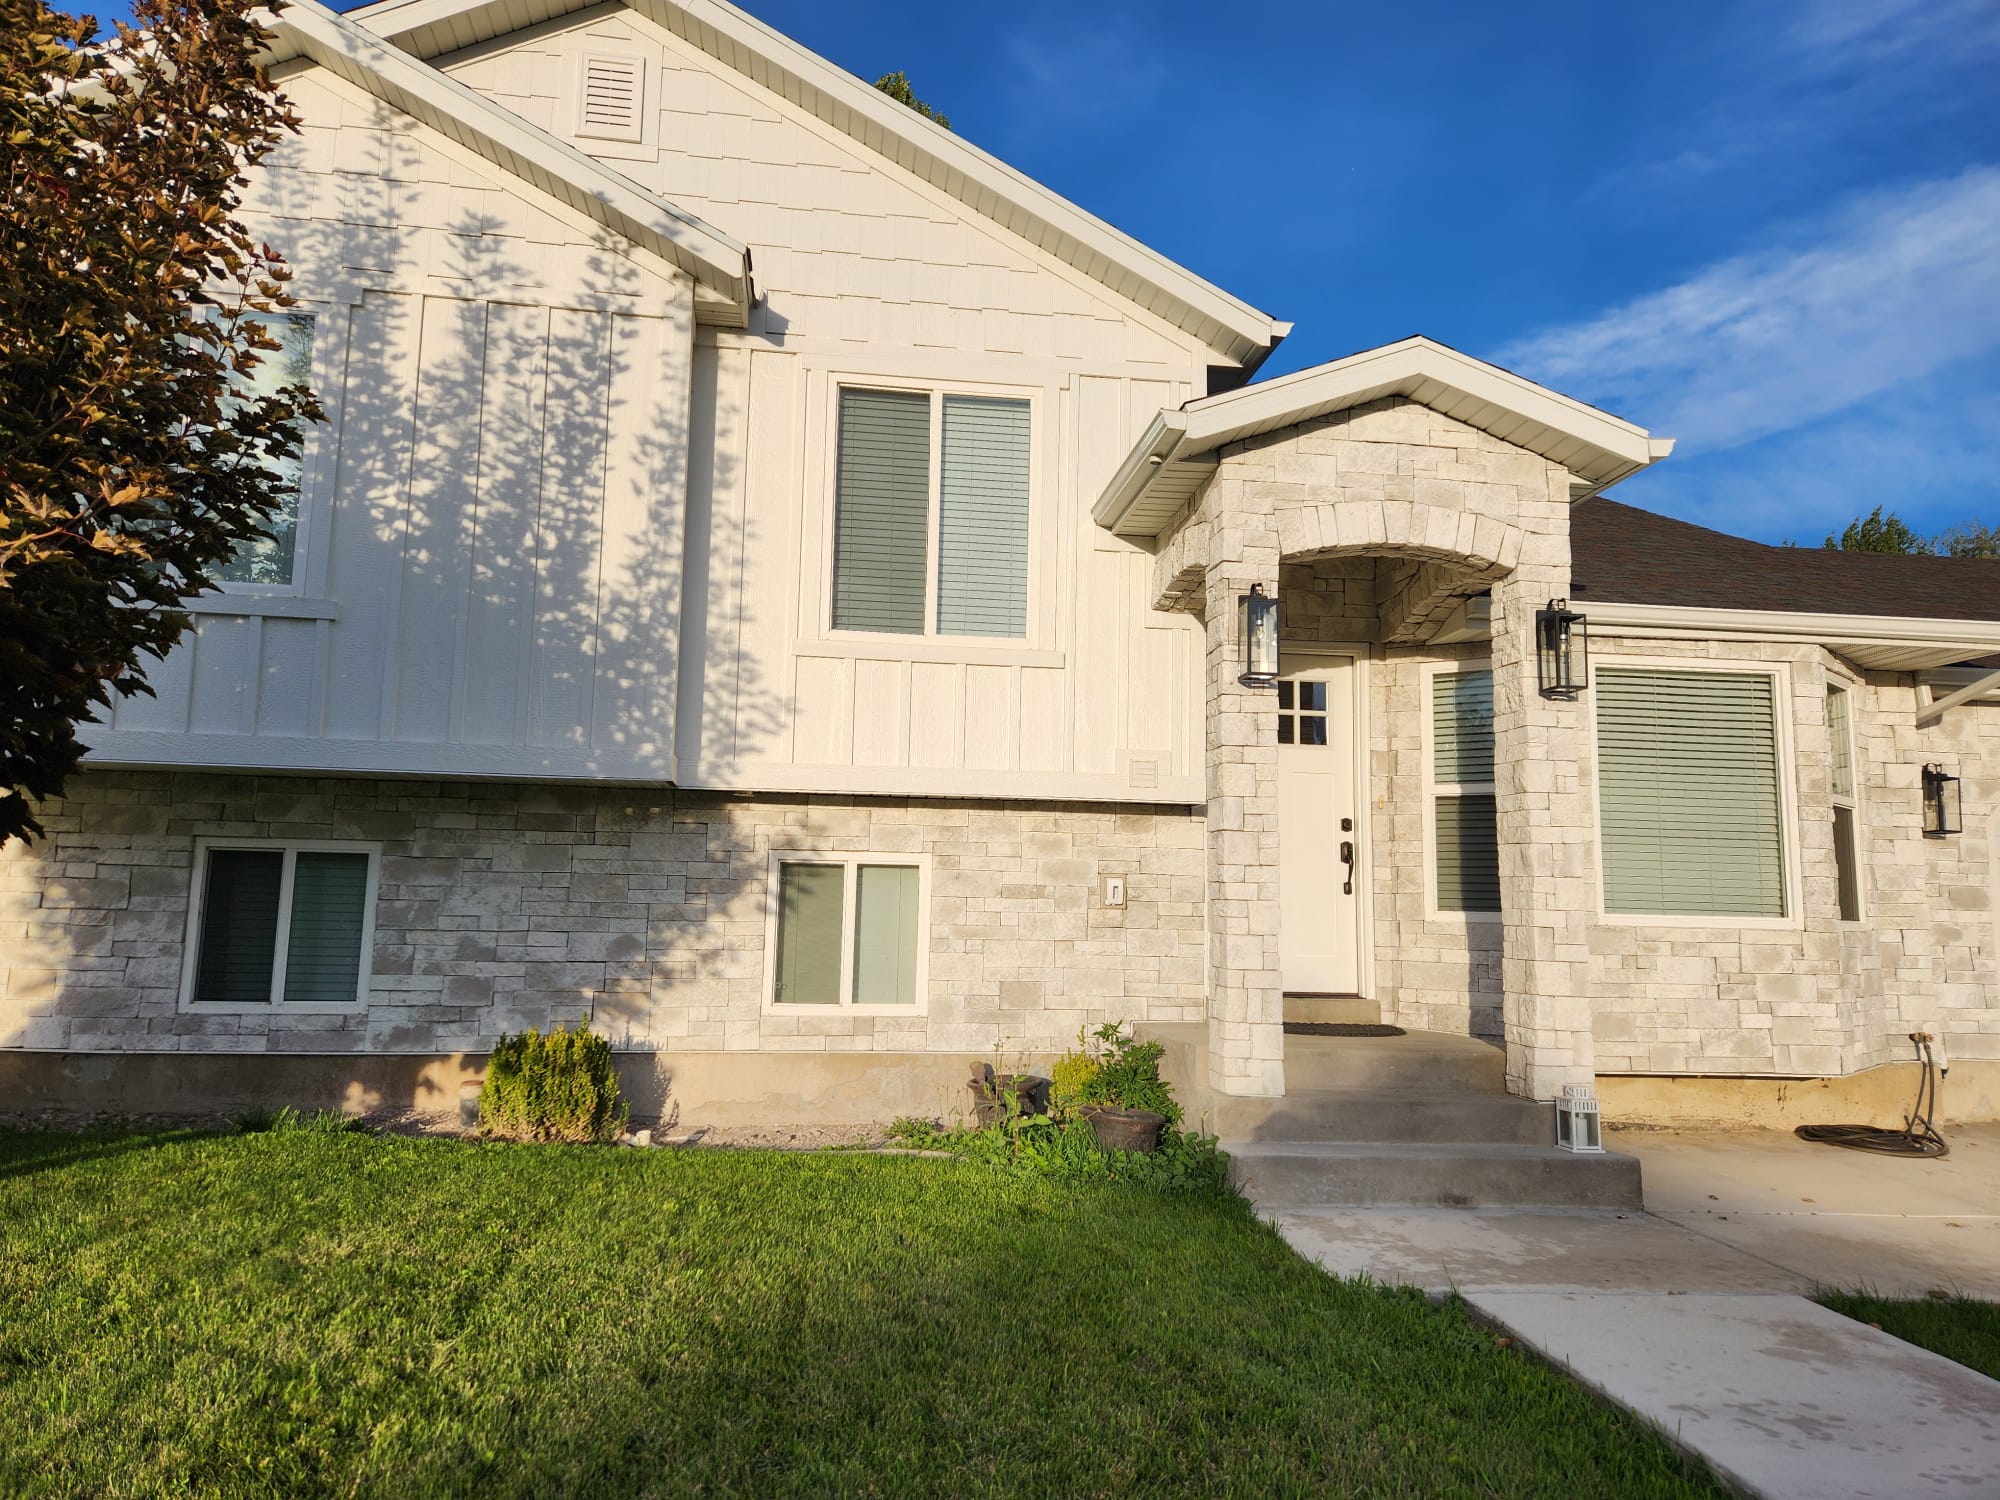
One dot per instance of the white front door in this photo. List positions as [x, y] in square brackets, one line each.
[1318, 844]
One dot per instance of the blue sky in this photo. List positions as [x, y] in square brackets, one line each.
[1768, 230]
[1771, 230]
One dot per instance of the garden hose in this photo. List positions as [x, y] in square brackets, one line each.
[1918, 1137]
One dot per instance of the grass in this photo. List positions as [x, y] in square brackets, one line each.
[311, 1312]
[1962, 1328]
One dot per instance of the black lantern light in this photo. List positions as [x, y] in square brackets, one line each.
[1943, 813]
[1562, 650]
[1260, 638]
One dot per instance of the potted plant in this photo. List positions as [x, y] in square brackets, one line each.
[1123, 1097]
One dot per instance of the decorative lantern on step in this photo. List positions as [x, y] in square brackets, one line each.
[1578, 1126]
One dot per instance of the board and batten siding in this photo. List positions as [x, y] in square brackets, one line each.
[489, 570]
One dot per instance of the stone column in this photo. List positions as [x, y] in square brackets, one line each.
[1547, 881]
[1246, 1008]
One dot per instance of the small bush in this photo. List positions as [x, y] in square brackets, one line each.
[1069, 1078]
[559, 1087]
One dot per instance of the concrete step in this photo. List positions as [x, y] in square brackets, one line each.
[1387, 1115]
[1430, 1062]
[1399, 1174]
[1349, 1010]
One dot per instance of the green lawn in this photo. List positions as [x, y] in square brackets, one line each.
[299, 1314]
[1961, 1328]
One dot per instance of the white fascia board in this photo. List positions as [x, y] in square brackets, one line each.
[308, 29]
[1217, 420]
[984, 183]
[1974, 637]
[1420, 368]
[1159, 445]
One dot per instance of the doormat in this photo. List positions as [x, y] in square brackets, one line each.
[1341, 1028]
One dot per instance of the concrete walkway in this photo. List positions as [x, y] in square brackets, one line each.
[1690, 1314]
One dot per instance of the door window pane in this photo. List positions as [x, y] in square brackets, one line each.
[323, 948]
[885, 935]
[881, 544]
[810, 912]
[239, 926]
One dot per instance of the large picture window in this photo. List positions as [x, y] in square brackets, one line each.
[931, 514]
[1465, 845]
[274, 559]
[847, 932]
[1688, 792]
[281, 924]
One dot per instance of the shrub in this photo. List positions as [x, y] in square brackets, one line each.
[1069, 1078]
[1128, 1076]
[559, 1087]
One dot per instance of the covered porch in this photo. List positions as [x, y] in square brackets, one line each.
[1408, 509]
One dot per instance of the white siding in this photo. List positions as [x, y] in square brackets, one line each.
[493, 511]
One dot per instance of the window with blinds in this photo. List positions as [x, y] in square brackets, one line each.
[281, 924]
[931, 514]
[1692, 819]
[847, 931]
[1466, 845]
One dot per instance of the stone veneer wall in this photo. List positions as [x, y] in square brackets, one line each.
[1817, 996]
[504, 906]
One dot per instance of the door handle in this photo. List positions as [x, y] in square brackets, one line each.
[1347, 858]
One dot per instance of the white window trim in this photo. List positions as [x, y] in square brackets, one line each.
[292, 848]
[851, 862]
[1036, 636]
[1850, 800]
[315, 448]
[1434, 789]
[1784, 710]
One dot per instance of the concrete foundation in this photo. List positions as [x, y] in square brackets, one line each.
[1968, 1094]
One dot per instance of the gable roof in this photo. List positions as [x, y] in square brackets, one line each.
[1631, 556]
[1231, 327]
[1175, 456]
[719, 265]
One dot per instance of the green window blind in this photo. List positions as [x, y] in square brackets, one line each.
[1462, 728]
[329, 911]
[881, 541]
[1840, 738]
[983, 518]
[1688, 792]
[1468, 854]
[239, 926]
[811, 905]
[885, 935]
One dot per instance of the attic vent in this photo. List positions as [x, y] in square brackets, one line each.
[611, 97]
[1144, 774]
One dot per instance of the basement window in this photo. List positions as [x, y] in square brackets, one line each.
[846, 932]
[280, 924]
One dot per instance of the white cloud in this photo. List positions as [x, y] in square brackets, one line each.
[1102, 65]
[1894, 286]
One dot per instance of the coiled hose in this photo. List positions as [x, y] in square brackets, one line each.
[1918, 1137]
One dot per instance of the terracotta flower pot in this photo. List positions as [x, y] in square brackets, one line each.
[1126, 1129]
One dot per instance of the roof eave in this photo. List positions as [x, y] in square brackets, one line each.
[1230, 327]
[719, 265]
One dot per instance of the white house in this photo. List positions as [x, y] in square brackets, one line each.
[770, 584]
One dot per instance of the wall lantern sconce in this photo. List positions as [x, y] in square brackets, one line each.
[1579, 1125]
[1260, 639]
[1562, 650]
[1943, 812]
